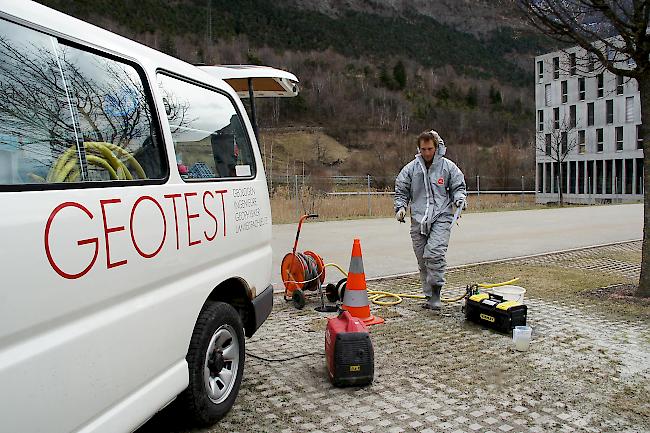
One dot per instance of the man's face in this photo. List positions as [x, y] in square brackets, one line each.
[427, 150]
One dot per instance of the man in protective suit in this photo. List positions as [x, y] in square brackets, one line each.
[431, 185]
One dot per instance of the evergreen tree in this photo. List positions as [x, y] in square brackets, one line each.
[167, 45]
[385, 79]
[443, 94]
[495, 96]
[472, 97]
[399, 74]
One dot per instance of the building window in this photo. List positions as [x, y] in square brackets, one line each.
[564, 91]
[582, 148]
[540, 70]
[619, 84]
[556, 118]
[619, 138]
[611, 54]
[581, 89]
[639, 137]
[591, 62]
[600, 85]
[572, 116]
[629, 109]
[547, 144]
[547, 95]
[572, 63]
[599, 140]
[564, 142]
[556, 68]
[609, 111]
[590, 114]
[540, 120]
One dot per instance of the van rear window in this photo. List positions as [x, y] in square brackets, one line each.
[69, 115]
[209, 136]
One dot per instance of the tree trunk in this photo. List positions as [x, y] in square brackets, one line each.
[644, 280]
[559, 182]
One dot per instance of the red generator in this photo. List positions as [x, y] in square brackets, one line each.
[349, 352]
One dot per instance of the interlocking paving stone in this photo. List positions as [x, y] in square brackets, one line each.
[435, 372]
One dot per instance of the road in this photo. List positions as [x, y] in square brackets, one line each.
[386, 244]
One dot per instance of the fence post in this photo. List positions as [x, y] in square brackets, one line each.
[295, 178]
[369, 207]
[522, 191]
[478, 190]
[589, 189]
[559, 187]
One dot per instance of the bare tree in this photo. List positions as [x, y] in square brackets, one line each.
[615, 33]
[557, 141]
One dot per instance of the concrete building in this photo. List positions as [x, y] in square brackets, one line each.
[596, 115]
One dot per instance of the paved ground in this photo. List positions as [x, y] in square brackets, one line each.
[387, 247]
[584, 371]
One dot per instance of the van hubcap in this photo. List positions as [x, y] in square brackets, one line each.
[221, 363]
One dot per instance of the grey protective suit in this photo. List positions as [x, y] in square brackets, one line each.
[431, 194]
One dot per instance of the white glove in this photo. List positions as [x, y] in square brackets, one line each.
[401, 213]
[462, 203]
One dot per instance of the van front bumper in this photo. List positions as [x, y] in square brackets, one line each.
[262, 306]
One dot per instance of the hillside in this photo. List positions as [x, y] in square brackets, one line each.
[378, 32]
[373, 73]
[471, 16]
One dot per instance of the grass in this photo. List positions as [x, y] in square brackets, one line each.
[286, 208]
[310, 146]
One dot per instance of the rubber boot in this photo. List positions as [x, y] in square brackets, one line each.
[435, 302]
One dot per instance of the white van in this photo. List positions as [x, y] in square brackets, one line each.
[135, 227]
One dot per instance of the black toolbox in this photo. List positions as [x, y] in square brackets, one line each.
[492, 311]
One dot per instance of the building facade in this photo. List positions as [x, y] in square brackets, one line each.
[592, 116]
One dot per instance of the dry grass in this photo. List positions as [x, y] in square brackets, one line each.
[310, 146]
[286, 209]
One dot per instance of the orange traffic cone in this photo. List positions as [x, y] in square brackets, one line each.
[355, 299]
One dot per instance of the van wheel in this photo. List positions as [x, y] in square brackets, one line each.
[216, 363]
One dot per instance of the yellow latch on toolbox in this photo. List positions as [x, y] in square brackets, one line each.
[479, 297]
[507, 304]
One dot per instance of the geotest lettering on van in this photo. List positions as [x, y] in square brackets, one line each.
[112, 228]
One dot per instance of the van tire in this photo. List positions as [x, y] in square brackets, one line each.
[219, 326]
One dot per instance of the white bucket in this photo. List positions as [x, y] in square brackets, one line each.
[510, 293]
[521, 336]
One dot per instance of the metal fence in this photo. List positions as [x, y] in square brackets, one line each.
[386, 183]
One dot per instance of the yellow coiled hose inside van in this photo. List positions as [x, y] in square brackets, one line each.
[104, 155]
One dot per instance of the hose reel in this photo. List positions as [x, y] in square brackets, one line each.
[301, 272]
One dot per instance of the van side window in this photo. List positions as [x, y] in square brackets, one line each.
[67, 115]
[209, 137]
[113, 117]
